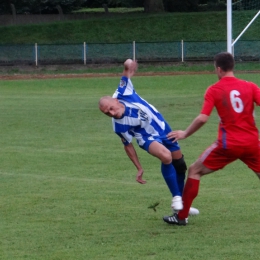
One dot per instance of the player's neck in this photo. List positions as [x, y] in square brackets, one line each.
[227, 74]
[122, 108]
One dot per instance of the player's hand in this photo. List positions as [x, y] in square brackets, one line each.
[139, 176]
[134, 65]
[176, 135]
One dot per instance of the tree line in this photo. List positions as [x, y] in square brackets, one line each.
[50, 6]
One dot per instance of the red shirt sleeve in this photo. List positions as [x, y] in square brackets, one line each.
[209, 102]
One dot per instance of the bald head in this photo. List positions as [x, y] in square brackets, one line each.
[104, 101]
[111, 107]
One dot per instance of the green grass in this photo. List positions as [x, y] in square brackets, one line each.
[68, 190]
[139, 27]
[111, 10]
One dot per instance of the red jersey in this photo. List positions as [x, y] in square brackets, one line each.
[234, 100]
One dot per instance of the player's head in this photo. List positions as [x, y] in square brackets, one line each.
[224, 62]
[111, 107]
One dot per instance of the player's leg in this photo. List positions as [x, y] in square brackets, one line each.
[251, 157]
[211, 159]
[177, 161]
[180, 166]
[168, 171]
[191, 189]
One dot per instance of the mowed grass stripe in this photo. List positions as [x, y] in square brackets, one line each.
[68, 190]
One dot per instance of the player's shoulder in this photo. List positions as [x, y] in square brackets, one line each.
[247, 83]
[210, 88]
[123, 82]
[213, 89]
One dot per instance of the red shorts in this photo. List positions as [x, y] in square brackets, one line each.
[216, 157]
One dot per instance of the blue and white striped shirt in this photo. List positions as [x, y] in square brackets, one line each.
[140, 119]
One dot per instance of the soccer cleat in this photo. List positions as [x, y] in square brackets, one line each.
[193, 211]
[174, 220]
[177, 203]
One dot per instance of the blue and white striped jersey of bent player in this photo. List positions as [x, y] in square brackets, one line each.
[140, 120]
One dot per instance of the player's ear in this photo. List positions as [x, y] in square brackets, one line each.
[218, 69]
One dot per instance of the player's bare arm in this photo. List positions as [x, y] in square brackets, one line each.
[130, 151]
[197, 123]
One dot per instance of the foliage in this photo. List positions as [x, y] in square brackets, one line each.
[181, 5]
[41, 6]
[250, 4]
[153, 6]
[114, 3]
[49, 6]
[139, 27]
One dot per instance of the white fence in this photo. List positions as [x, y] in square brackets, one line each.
[86, 53]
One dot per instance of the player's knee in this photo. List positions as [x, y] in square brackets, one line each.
[197, 170]
[180, 165]
[191, 170]
[166, 157]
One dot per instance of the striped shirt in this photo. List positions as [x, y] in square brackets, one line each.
[140, 119]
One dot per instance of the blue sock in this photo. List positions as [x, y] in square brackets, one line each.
[169, 175]
[180, 180]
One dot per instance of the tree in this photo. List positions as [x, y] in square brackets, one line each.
[41, 6]
[115, 3]
[181, 5]
[153, 6]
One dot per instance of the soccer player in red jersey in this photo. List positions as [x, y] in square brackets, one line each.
[238, 136]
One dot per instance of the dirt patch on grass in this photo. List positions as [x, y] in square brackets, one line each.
[25, 72]
[92, 75]
[19, 72]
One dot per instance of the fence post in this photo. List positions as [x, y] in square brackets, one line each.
[13, 13]
[105, 8]
[36, 55]
[60, 12]
[182, 51]
[84, 53]
[133, 50]
[233, 48]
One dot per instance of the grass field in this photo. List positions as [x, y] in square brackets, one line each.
[139, 27]
[119, 10]
[68, 190]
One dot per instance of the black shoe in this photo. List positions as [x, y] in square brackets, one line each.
[174, 220]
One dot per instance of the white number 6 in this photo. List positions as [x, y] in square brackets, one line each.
[236, 102]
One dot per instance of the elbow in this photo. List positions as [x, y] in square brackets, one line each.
[203, 118]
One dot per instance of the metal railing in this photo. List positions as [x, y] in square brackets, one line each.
[100, 53]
